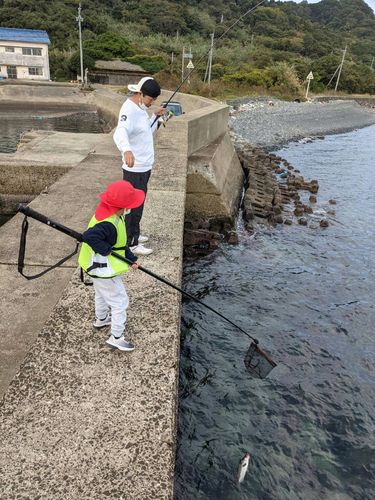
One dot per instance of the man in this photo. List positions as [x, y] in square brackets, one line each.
[133, 137]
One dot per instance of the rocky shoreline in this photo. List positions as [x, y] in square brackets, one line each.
[271, 124]
[272, 191]
[272, 185]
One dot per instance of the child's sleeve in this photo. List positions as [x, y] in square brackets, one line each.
[100, 237]
[130, 255]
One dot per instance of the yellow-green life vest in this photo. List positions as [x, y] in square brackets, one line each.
[101, 266]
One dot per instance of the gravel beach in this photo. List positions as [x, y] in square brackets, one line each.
[271, 127]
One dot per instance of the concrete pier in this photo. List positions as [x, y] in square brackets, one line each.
[78, 420]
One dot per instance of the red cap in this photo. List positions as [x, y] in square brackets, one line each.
[119, 194]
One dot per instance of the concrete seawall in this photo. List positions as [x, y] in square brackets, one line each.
[81, 421]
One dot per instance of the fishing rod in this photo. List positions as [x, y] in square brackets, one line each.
[204, 55]
[252, 361]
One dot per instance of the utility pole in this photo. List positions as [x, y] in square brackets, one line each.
[80, 20]
[372, 64]
[342, 63]
[210, 58]
[182, 65]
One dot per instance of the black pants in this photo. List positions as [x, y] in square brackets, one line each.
[138, 180]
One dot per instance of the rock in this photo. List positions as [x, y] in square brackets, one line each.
[312, 199]
[297, 171]
[324, 223]
[321, 137]
[233, 237]
[333, 202]
[283, 176]
[313, 226]
[288, 222]
[298, 211]
[302, 221]
[308, 210]
[278, 219]
[331, 212]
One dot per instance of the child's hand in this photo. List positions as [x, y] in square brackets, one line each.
[135, 265]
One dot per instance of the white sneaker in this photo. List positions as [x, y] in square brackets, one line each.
[141, 250]
[99, 323]
[142, 239]
[119, 343]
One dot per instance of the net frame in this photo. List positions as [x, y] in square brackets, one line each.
[257, 362]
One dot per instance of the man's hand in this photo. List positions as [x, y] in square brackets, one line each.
[160, 111]
[135, 265]
[129, 159]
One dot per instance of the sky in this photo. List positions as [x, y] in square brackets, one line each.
[371, 3]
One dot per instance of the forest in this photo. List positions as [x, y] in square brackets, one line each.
[273, 49]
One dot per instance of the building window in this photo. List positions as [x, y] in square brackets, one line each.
[12, 72]
[36, 71]
[9, 49]
[26, 51]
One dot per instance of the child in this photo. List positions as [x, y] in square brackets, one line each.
[106, 232]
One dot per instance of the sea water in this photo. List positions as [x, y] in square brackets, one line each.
[308, 296]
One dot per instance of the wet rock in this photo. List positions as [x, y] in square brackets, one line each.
[312, 199]
[288, 222]
[308, 210]
[331, 212]
[321, 137]
[278, 219]
[233, 237]
[324, 223]
[297, 171]
[302, 221]
[313, 226]
[333, 202]
[298, 211]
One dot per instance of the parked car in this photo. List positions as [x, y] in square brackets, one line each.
[173, 109]
[173, 106]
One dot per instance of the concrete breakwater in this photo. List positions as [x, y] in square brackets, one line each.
[78, 420]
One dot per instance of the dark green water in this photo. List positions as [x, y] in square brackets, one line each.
[13, 124]
[308, 296]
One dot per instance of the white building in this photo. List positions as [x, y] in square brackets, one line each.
[24, 54]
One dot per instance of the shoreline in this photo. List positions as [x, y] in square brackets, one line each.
[272, 127]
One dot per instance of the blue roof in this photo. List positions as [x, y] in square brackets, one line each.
[18, 35]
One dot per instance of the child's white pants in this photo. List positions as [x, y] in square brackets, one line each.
[111, 293]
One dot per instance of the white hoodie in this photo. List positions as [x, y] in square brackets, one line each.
[134, 133]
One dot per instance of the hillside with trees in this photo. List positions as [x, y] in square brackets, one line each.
[273, 48]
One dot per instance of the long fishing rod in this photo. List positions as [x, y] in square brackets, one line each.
[204, 55]
[78, 236]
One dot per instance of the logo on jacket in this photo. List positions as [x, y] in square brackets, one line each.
[123, 118]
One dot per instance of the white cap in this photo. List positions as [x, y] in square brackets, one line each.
[137, 88]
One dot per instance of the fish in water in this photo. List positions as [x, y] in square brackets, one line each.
[244, 464]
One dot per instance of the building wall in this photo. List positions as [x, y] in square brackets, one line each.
[115, 77]
[24, 62]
